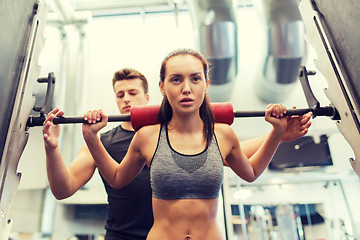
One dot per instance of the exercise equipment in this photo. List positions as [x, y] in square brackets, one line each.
[223, 112]
[22, 26]
[333, 34]
[148, 115]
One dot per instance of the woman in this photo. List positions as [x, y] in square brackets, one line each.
[185, 152]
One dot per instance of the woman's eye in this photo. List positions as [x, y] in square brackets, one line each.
[196, 79]
[175, 80]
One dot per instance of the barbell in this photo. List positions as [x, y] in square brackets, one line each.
[142, 115]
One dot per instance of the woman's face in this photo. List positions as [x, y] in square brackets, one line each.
[185, 84]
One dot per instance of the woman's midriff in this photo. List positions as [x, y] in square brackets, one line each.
[185, 219]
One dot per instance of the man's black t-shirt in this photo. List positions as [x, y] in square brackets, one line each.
[130, 214]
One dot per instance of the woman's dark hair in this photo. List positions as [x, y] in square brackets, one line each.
[206, 114]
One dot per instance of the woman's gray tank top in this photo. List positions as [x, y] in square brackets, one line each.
[174, 175]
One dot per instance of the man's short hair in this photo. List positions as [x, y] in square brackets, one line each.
[128, 74]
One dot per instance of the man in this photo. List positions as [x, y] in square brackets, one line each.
[129, 210]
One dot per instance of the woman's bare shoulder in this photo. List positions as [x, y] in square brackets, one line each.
[148, 130]
[146, 139]
[147, 134]
[223, 129]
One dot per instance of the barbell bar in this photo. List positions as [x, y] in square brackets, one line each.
[142, 115]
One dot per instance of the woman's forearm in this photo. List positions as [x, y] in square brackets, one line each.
[261, 159]
[106, 165]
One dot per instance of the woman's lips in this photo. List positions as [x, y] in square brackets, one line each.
[186, 101]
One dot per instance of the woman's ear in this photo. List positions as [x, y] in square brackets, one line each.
[207, 85]
[161, 86]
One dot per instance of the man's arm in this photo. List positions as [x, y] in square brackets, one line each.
[249, 169]
[297, 126]
[64, 181]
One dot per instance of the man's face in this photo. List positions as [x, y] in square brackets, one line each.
[129, 93]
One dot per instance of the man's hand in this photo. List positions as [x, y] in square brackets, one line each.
[51, 131]
[297, 126]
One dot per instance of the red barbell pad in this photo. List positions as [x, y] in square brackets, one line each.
[223, 112]
[143, 115]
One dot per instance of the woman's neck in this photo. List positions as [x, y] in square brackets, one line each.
[186, 123]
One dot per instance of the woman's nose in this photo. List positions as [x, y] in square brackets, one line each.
[186, 87]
